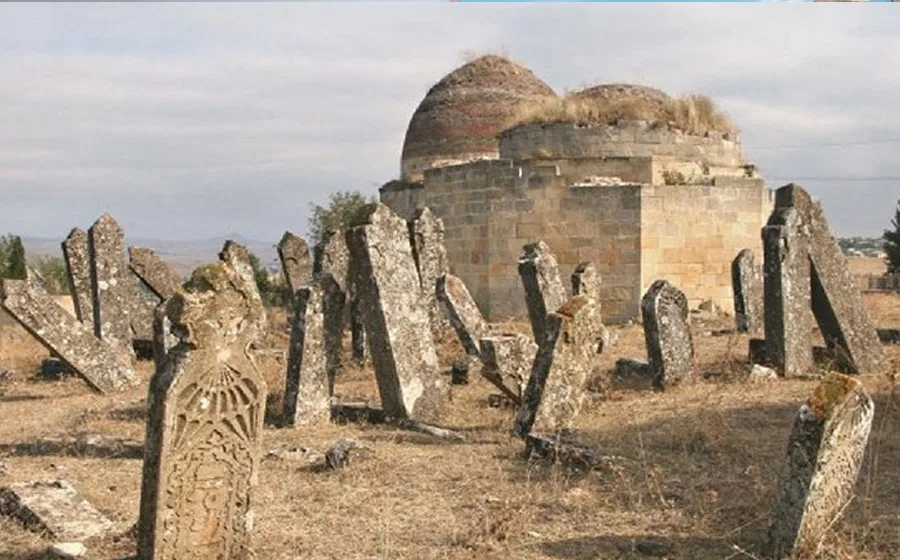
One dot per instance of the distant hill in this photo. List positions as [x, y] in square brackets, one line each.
[183, 256]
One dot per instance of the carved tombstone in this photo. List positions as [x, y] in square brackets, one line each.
[204, 426]
[544, 290]
[154, 272]
[104, 366]
[426, 233]
[311, 364]
[78, 269]
[667, 333]
[506, 362]
[747, 287]
[238, 257]
[555, 391]
[395, 315]
[464, 314]
[295, 261]
[824, 455]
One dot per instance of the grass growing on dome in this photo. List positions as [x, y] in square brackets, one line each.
[693, 114]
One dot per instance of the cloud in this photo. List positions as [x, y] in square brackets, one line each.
[186, 121]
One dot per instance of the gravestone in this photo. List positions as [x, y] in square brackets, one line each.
[295, 261]
[747, 288]
[667, 333]
[544, 291]
[205, 416]
[824, 455]
[506, 362]
[311, 369]
[555, 391]
[464, 315]
[78, 270]
[154, 272]
[586, 280]
[238, 257]
[56, 509]
[426, 233]
[395, 315]
[104, 366]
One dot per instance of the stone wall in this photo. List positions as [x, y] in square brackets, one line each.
[402, 197]
[626, 139]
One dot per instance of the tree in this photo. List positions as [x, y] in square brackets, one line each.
[272, 293]
[892, 243]
[12, 257]
[53, 271]
[337, 215]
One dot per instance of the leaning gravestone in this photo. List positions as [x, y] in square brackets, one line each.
[78, 269]
[465, 317]
[204, 426]
[154, 272]
[395, 315]
[586, 280]
[238, 257]
[506, 362]
[824, 455]
[544, 291]
[426, 233]
[295, 261]
[667, 333]
[104, 366]
[56, 509]
[747, 287]
[556, 387]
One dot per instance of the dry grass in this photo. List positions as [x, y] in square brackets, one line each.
[693, 114]
[697, 479]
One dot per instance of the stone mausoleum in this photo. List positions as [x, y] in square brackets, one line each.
[641, 198]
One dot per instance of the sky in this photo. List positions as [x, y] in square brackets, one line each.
[189, 121]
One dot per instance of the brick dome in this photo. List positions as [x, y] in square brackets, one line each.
[461, 115]
[623, 93]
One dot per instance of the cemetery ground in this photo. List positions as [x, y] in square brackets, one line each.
[692, 474]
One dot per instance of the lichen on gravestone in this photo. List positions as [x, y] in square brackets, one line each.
[506, 362]
[78, 271]
[426, 234]
[747, 289]
[238, 257]
[206, 406]
[154, 272]
[463, 312]
[296, 263]
[544, 290]
[667, 334]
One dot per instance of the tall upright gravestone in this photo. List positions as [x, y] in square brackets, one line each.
[667, 333]
[206, 406]
[395, 315]
[544, 290]
[78, 269]
[295, 261]
[426, 234]
[747, 288]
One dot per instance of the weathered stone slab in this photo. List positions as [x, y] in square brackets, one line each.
[395, 316]
[105, 367]
[463, 312]
[357, 333]
[56, 509]
[544, 290]
[238, 257]
[506, 362]
[667, 333]
[586, 280]
[111, 295]
[295, 261]
[786, 287]
[333, 257]
[204, 427]
[310, 370]
[426, 234]
[556, 387]
[154, 272]
[824, 456]
[78, 269]
[747, 287]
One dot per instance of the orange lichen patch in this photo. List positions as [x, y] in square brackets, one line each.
[573, 306]
[830, 393]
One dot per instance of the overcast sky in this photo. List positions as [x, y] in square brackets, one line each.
[189, 121]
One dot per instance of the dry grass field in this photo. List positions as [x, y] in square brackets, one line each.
[696, 478]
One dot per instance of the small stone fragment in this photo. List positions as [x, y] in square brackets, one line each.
[68, 550]
[632, 374]
[54, 508]
[506, 362]
[762, 374]
[338, 455]
[459, 371]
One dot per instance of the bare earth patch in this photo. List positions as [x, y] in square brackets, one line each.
[696, 478]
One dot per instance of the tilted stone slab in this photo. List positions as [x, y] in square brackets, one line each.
[78, 270]
[586, 280]
[747, 287]
[333, 257]
[544, 290]
[105, 367]
[667, 333]
[204, 427]
[463, 312]
[154, 272]
[56, 509]
[395, 316]
[506, 362]
[111, 294]
[309, 381]
[824, 456]
[296, 262]
[555, 392]
[426, 233]
[238, 257]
